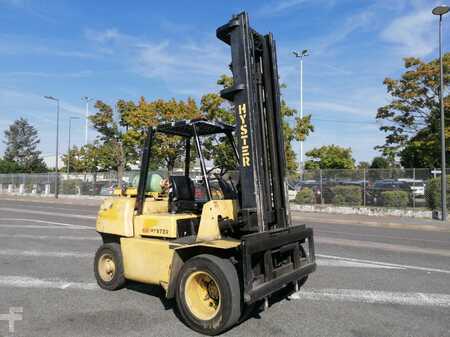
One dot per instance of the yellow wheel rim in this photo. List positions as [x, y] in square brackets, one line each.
[106, 267]
[202, 295]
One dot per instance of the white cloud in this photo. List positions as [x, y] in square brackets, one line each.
[350, 25]
[279, 6]
[184, 66]
[77, 74]
[412, 34]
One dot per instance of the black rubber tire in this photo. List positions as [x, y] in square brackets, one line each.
[227, 279]
[118, 280]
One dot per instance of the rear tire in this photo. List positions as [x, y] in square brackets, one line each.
[108, 267]
[208, 294]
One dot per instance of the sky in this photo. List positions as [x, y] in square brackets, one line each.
[112, 50]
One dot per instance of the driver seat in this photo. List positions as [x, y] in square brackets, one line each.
[182, 195]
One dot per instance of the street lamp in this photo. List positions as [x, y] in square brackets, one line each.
[440, 11]
[301, 55]
[57, 143]
[68, 148]
[87, 100]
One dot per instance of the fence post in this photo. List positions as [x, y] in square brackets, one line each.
[321, 187]
[414, 190]
[364, 187]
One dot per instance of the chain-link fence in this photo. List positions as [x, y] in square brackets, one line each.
[101, 183]
[394, 188]
[82, 184]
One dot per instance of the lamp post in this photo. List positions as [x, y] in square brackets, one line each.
[57, 144]
[87, 100]
[441, 11]
[301, 55]
[68, 148]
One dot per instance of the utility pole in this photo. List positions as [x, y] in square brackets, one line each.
[68, 147]
[87, 100]
[57, 144]
[441, 11]
[301, 55]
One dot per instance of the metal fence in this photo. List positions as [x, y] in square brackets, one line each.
[394, 188]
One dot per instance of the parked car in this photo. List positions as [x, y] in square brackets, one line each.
[417, 186]
[380, 186]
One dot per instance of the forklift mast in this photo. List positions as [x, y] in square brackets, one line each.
[255, 95]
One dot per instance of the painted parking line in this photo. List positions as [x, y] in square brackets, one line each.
[62, 224]
[44, 227]
[31, 282]
[37, 253]
[50, 237]
[338, 295]
[353, 264]
[66, 215]
[380, 263]
[322, 261]
[374, 296]
[382, 246]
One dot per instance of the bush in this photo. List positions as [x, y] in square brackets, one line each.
[70, 186]
[398, 199]
[305, 196]
[347, 195]
[433, 193]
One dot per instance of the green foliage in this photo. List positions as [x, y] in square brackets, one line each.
[380, 163]
[363, 165]
[71, 186]
[411, 119]
[398, 199]
[8, 166]
[214, 107]
[21, 147]
[330, 157]
[433, 193]
[305, 196]
[347, 195]
[122, 136]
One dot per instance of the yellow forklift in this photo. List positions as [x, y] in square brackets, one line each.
[235, 249]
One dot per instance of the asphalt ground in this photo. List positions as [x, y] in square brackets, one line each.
[370, 281]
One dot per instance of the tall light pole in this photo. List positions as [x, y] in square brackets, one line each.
[441, 11]
[87, 100]
[68, 147]
[301, 55]
[57, 144]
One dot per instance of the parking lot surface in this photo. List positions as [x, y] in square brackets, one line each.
[370, 281]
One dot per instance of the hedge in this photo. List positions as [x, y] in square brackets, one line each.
[347, 195]
[395, 199]
[71, 186]
[305, 196]
[433, 193]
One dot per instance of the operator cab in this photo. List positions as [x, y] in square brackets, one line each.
[183, 195]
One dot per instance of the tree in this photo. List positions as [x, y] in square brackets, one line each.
[380, 163]
[21, 147]
[214, 107]
[89, 158]
[8, 166]
[330, 157]
[413, 117]
[122, 138]
[363, 165]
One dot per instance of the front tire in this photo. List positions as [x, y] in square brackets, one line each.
[208, 294]
[108, 267]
